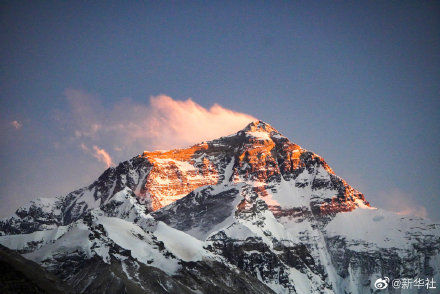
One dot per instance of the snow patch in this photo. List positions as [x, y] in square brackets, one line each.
[259, 135]
[179, 243]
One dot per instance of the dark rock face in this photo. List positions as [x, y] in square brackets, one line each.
[21, 276]
[129, 276]
[96, 276]
[202, 210]
[254, 256]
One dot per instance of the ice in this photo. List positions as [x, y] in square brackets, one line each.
[379, 227]
[179, 243]
[88, 198]
[74, 240]
[259, 135]
[362, 205]
[130, 236]
[20, 242]
[47, 205]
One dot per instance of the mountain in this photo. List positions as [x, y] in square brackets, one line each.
[248, 213]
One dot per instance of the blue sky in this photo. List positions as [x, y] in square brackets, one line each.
[358, 83]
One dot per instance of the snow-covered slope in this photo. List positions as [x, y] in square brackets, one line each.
[248, 213]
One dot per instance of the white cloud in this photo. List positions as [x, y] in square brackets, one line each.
[84, 147]
[163, 123]
[175, 123]
[402, 203]
[16, 124]
[98, 153]
[102, 156]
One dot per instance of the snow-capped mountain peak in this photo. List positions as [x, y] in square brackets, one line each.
[266, 213]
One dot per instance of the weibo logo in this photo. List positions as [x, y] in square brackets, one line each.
[382, 283]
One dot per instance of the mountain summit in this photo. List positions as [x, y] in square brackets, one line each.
[249, 213]
[259, 126]
[258, 155]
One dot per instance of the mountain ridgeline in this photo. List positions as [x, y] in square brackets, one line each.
[247, 213]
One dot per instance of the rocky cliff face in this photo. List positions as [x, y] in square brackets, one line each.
[267, 214]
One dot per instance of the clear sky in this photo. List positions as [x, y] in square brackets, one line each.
[357, 83]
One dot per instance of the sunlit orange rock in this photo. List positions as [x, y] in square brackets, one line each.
[258, 155]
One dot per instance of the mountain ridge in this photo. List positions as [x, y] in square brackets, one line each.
[252, 204]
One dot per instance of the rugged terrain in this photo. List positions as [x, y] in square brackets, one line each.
[248, 213]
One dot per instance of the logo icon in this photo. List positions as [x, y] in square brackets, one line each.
[382, 283]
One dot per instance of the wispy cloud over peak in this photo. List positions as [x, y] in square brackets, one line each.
[186, 122]
[402, 203]
[99, 153]
[102, 156]
[163, 123]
